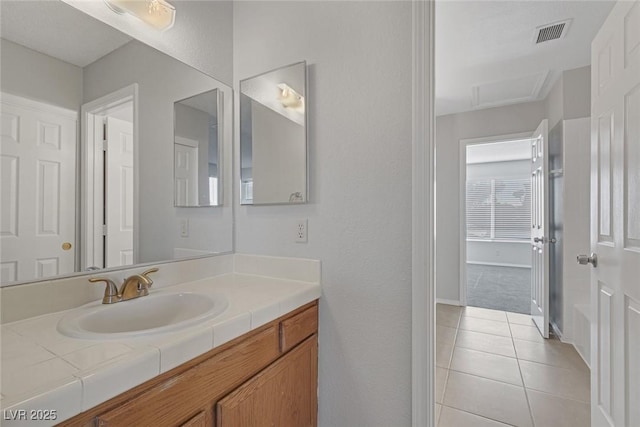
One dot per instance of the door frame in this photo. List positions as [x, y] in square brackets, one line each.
[462, 193]
[423, 121]
[89, 185]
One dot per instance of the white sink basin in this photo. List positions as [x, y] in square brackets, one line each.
[156, 313]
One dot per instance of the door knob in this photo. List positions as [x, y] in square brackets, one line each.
[66, 246]
[588, 259]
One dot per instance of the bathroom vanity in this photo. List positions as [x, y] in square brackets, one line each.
[253, 361]
[265, 377]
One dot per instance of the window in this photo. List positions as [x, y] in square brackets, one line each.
[499, 209]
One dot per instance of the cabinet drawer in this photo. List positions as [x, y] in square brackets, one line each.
[296, 328]
[174, 401]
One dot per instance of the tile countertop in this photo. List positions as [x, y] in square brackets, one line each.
[45, 370]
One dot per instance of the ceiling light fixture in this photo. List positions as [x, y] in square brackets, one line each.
[157, 13]
[289, 98]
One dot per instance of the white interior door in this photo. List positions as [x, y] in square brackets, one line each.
[119, 193]
[540, 228]
[615, 219]
[38, 190]
[186, 172]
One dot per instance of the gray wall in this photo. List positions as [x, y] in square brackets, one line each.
[171, 80]
[36, 76]
[278, 156]
[450, 129]
[359, 56]
[570, 96]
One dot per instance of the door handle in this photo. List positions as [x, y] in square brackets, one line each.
[544, 240]
[588, 259]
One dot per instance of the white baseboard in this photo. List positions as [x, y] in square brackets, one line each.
[448, 301]
[498, 264]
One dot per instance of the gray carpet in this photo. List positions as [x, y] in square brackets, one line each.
[499, 288]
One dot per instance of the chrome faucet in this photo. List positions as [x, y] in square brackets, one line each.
[133, 287]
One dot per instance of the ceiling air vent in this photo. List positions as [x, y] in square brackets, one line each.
[549, 32]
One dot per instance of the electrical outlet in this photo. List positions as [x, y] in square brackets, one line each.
[301, 231]
[184, 227]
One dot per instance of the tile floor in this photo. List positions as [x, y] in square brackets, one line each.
[494, 369]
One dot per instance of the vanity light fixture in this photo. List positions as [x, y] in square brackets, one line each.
[289, 98]
[157, 13]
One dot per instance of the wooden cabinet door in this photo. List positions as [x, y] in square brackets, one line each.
[199, 420]
[283, 395]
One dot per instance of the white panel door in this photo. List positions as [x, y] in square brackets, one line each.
[38, 190]
[119, 193]
[540, 228]
[186, 172]
[615, 219]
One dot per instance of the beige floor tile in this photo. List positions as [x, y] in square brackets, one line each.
[441, 381]
[451, 417]
[553, 411]
[491, 399]
[449, 308]
[447, 318]
[487, 365]
[485, 313]
[438, 411]
[485, 342]
[443, 355]
[445, 335]
[569, 383]
[550, 352]
[529, 333]
[485, 326]
[520, 319]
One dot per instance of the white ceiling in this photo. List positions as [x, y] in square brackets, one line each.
[499, 151]
[485, 50]
[58, 30]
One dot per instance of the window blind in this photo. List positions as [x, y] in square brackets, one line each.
[499, 209]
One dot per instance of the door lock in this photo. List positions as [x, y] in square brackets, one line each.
[588, 259]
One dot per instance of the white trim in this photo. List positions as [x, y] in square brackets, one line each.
[423, 218]
[88, 134]
[39, 106]
[498, 264]
[448, 301]
[186, 141]
[498, 241]
[462, 192]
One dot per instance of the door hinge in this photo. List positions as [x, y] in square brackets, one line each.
[104, 136]
[104, 229]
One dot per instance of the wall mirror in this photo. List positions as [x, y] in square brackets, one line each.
[273, 137]
[87, 149]
[197, 154]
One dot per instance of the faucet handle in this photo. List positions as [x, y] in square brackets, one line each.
[146, 276]
[111, 291]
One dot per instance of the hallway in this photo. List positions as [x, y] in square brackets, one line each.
[494, 369]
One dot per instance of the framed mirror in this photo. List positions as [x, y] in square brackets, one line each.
[197, 151]
[87, 149]
[273, 137]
